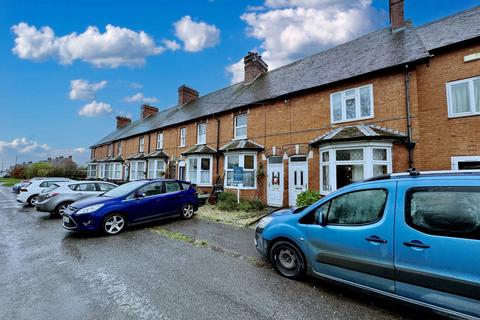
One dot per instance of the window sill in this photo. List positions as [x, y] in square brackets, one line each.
[463, 115]
[351, 120]
[240, 138]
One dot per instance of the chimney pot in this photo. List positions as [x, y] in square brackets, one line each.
[186, 94]
[254, 66]
[146, 111]
[122, 121]
[397, 14]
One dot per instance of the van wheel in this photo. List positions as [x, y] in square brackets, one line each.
[187, 211]
[114, 224]
[32, 200]
[287, 259]
[60, 209]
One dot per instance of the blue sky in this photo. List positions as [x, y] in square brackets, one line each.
[151, 48]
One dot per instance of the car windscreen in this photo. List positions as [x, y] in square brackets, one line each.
[124, 189]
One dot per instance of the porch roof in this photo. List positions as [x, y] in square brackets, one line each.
[137, 156]
[200, 149]
[244, 144]
[358, 132]
[157, 154]
[117, 158]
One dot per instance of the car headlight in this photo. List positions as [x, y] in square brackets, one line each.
[264, 222]
[90, 209]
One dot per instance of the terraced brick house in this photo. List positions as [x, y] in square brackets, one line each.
[397, 98]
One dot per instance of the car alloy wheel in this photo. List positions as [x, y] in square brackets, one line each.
[32, 200]
[187, 211]
[60, 209]
[114, 224]
[287, 259]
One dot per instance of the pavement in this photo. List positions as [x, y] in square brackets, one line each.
[47, 272]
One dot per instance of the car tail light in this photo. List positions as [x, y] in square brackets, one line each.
[51, 195]
[23, 190]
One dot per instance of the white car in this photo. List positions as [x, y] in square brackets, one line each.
[29, 193]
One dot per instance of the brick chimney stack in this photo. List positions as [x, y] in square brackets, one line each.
[186, 94]
[146, 111]
[122, 121]
[397, 14]
[254, 66]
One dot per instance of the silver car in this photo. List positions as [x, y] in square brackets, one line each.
[56, 198]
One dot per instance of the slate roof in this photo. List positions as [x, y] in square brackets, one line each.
[117, 158]
[243, 144]
[157, 154]
[375, 51]
[358, 132]
[200, 149]
[459, 27]
[137, 156]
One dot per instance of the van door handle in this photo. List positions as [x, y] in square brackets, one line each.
[416, 244]
[376, 239]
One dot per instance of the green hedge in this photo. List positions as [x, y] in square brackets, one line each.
[228, 201]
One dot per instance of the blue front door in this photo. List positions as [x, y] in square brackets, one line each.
[355, 242]
[437, 245]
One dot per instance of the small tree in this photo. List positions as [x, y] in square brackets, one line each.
[40, 169]
[18, 172]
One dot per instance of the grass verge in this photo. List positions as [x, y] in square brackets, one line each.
[174, 235]
[232, 217]
[9, 182]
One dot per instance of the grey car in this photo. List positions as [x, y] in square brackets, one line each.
[56, 198]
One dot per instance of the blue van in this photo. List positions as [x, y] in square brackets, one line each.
[413, 237]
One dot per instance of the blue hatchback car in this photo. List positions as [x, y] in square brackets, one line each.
[132, 203]
[413, 237]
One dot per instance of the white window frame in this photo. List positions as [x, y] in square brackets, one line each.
[199, 169]
[109, 150]
[90, 170]
[241, 162]
[456, 160]
[134, 170]
[201, 138]
[141, 144]
[159, 140]
[101, 171]
[357, 105]
[153, 168]
[183, 137]
[235, 127]
[116, 171]
[471, 97]
[367, 161]
[119, 147]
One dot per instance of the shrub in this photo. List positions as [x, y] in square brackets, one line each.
[245, 205]
[257, 204]
[40, 169]
[308, 197]
[227, 201]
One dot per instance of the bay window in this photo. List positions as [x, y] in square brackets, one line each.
[156, 169]
[116, 171]
[352, 104]
[202, 133]
[463, 97]
[343, 164]
[137, 170]
[92, 170]
[199, 170]
[240, 126]
[102, 171]
[248, 161]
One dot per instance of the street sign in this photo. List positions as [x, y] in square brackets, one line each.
[237, 175]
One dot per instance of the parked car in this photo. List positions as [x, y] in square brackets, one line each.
[29, 193]
[414, 237]
[132, 203]
[60, 195]
[16, 187]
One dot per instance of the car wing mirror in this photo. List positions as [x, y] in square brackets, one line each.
[140, 195]
[321, 217]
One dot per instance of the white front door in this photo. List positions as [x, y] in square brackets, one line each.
[297, 177]
[275, 182]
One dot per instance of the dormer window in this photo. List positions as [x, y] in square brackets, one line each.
[352, 104]
[240, 126]
[141, 144]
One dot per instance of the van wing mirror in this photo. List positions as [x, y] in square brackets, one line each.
[321, 216]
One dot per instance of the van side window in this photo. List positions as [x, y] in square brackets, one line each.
[357, 208]
[444, 211]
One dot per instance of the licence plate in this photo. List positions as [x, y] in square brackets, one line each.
[66, 219]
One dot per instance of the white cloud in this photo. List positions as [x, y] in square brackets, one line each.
[171, 44]
[95, 109]
[113, 48]
[83, 90]
[196, 36]
[24, 150]
[292, 29]
[236, 72]
[136, 85]
[139, 97]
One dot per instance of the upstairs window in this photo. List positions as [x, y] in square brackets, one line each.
[160, 140]
[463, 97]
[109, 150]
[119, 147]
[183, 137]
[352, 104]
[141, 144]
[240, 124]
[202, 133]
